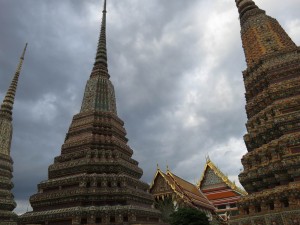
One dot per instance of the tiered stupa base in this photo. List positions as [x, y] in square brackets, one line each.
[278, 217]
[270, 207]
[7, 203]
[8, 218]
[93, 215]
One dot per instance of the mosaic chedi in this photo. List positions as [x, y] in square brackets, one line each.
[94, 180]
[271, 173]
[7, 203]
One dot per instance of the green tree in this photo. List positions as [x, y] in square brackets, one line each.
[188, 216]
[166, 207]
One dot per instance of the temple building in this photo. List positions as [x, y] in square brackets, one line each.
[171, 192]
[7, 202]
[94, 180]
[220, 191]
[271, 173]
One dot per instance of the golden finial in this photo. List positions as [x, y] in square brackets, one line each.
[207, 158]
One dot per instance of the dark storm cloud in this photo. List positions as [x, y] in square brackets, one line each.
[176, 67]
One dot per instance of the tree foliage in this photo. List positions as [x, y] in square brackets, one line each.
[166, 207]
[188, 216]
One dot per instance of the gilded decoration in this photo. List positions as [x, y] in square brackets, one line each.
[213, 175]
[211, 179]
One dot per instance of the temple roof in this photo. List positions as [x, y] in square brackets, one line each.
[210, 167]
[188, 192]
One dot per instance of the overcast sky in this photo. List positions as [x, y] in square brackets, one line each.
[175, 64]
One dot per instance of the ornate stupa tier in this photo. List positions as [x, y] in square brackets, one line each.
[262, 35]
[94, 180]
[277, 200]
[96, 130]
[99, 95]
[81, 189]
[128, 214]
[263, 129]
[6, 169]
[99, 161]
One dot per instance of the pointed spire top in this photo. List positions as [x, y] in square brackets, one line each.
[207, 158]
[101, 55]
[104, 7]
[7, 105]
[24, 51]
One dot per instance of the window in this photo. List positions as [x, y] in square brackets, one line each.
[98, 220]
[88, 184]
[84, 221]
[247, 211]
[233, 205]
[271, 206]
[286, 203]
[112, 219]
[221, 206]
[257, 208]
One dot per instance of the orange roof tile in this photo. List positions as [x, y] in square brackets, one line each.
[221, 195]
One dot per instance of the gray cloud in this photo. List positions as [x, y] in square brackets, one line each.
[176, 66]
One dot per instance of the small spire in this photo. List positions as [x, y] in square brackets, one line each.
[245, 5]
[101, 56]
[207, 159]
[7, 105]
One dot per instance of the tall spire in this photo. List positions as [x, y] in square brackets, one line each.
[7, 105]
[101, 55]
[99, 95]
[7, 203]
